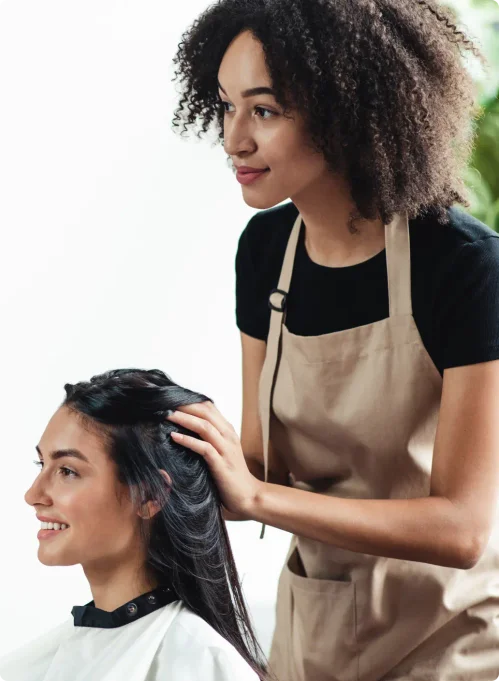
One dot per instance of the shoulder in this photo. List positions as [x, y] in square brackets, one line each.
[194, 651]
[462, 250]
[467, 228]
[31, 661]
[456, 288]
[462, 230]
[480, 244]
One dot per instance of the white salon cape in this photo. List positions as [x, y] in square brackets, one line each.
[170, 643]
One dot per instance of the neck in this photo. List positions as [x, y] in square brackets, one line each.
[326, 207]
[114, 585]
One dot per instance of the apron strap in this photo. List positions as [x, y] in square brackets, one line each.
[398, 261]
[398, 264]
[277, 304]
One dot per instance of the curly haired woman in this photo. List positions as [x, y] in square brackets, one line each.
[368, 307]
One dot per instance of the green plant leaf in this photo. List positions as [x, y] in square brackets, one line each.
[492, 217]
[485, 156]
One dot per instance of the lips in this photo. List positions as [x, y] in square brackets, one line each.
[50, 527]
[247, 175]
[46, 519]
[49, 534]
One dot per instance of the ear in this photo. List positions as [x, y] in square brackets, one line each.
[149, 508]
[166, 477]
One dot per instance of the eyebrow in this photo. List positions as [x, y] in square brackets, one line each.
[63, 453]
[253, 92]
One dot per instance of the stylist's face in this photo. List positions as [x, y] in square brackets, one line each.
[256, 133]
[78, 491]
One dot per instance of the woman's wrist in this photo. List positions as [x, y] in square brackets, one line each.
[252, 505]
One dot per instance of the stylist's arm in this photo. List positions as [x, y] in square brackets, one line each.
[449, 527]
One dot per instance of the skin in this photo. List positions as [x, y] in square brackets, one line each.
[103, 534]
[259, 135]
[450, 527]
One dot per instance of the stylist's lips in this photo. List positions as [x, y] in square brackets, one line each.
[247, 175]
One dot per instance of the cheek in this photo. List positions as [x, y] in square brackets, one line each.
[81, 504]
[102, 512]
[98, 518]
[291, 154]
[102, 526]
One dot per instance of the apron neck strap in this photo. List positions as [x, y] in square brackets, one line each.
[398, 259]
[289, 256]
[398, 263]
[277, 303]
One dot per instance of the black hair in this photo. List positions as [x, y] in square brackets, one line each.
[187, 542]
[382, 86]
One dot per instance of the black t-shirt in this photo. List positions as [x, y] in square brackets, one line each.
[455, 285]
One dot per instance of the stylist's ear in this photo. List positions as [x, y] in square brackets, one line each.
[149, 508]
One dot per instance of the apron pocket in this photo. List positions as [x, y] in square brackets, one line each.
[322, 626]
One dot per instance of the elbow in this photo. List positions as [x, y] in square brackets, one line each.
[467, 549]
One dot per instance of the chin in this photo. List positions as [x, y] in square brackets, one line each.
[262, 202]
[54, 560]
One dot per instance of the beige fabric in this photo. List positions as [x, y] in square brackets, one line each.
[354, 414]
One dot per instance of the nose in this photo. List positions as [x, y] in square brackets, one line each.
[37, 493]
[238, 138]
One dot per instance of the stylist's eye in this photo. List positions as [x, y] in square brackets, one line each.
[226, 106]
[264, 113]
[38, 463]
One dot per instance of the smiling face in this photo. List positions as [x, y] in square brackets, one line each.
[257, 134]
[77, 486]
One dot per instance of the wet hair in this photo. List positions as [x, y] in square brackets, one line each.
[382, 86]
[188, 547]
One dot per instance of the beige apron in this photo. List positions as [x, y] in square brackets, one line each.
[354, 414]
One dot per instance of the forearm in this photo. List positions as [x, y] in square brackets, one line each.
[431, 530]
[257, 470]
[227, 515]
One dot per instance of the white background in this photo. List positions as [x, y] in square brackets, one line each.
[117, 249]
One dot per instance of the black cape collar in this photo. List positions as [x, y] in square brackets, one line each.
[90, 616]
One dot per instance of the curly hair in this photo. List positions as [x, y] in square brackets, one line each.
[381, 84]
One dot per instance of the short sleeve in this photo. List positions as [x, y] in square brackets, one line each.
[469, 305]
[252, 315]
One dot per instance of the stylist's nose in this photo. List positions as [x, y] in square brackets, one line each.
[238, 140]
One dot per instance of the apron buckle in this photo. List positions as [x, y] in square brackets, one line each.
[282, 306]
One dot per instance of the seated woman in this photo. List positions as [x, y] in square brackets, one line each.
[142, 516]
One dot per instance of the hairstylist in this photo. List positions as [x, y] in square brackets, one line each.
[370, 428]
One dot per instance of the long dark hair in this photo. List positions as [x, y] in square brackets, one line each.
[187, 543]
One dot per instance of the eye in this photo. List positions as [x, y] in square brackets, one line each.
[38, 463]
[225, 105]
[262, 111]
[68, 473]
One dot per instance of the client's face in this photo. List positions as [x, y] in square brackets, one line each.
[77, 496]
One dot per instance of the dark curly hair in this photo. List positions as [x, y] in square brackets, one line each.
[382, 86]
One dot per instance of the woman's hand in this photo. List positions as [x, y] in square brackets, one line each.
[221, 449]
